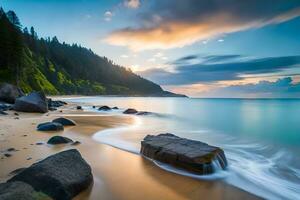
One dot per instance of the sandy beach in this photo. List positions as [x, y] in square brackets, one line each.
[117, 174]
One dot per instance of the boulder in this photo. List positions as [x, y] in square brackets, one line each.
[104, 108]
[50, 126]
[64, 121]
[9, 93]
[19, 190]
[115, 108]
[130, 111]
[78, 107]
[61, 176]
[59, 140]
[34, 102]
[194, 156]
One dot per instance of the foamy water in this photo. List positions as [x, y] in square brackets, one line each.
[261, 163]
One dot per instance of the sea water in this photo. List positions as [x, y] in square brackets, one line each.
[260, 137]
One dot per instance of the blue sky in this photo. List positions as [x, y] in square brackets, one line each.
[150, 36]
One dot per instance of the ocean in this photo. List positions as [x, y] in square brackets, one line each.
[260, 137]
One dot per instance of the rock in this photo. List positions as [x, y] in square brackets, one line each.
[104, 108]
[94, 106]
[9, 93]
[143, 113]
[5, 107]
[55, 104]
[130, 111]
[3, 113]
[19, 190]
[79, 108]
[64, 121]
[60, 176]
[38, 143]
[17, 114]
[191, 155]
[115, 108]
[59, 140]
[50, 126]
[7, 155]
[11, 149]
[34, 102]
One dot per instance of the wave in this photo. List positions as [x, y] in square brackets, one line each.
[248, 169]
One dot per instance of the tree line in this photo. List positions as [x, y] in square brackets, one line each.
[55, 67]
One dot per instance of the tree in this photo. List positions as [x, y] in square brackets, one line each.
[13, 18]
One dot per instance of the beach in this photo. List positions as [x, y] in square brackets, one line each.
[117, 174]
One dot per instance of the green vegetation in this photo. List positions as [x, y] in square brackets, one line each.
[48, 65]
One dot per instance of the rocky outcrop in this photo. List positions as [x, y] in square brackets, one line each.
[9, 93]
[61, 176]
[191, 155]
[104, 108]
[130, 111]
[34, 102]
[59, 140]
[50, 126]
[64, 121]
[19, 190]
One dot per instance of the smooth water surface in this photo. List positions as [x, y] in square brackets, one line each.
[261, 138]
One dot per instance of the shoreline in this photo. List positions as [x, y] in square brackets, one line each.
[117, 174]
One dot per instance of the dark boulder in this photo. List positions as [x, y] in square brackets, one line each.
[60, 176]
[50, 126]
[19, 190]
[64, 121]
[191, 155]
[9, 93]
[115, 108]
[34, 102]
[78, 107]
[104, 108]
[130, 111]
[59, 140]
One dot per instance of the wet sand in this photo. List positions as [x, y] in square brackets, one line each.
[117, 174]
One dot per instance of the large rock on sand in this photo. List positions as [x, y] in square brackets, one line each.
[19, 190]
[61, 176]
[50, 126]
[9, 93]
[191, 155]
[34, 102]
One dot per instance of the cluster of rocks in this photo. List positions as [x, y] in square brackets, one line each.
[191, 155]
[15, 99]
[56, 124]
[106, 108]
[60, 176]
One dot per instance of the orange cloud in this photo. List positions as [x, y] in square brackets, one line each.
[174, 34]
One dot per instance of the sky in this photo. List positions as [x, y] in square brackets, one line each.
[201, 48]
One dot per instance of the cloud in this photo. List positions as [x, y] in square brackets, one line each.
[132, 3]
[108, 15]
[176, 23]
[281, 88]
[217, 68]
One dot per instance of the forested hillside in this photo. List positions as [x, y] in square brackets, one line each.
[48, 65]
